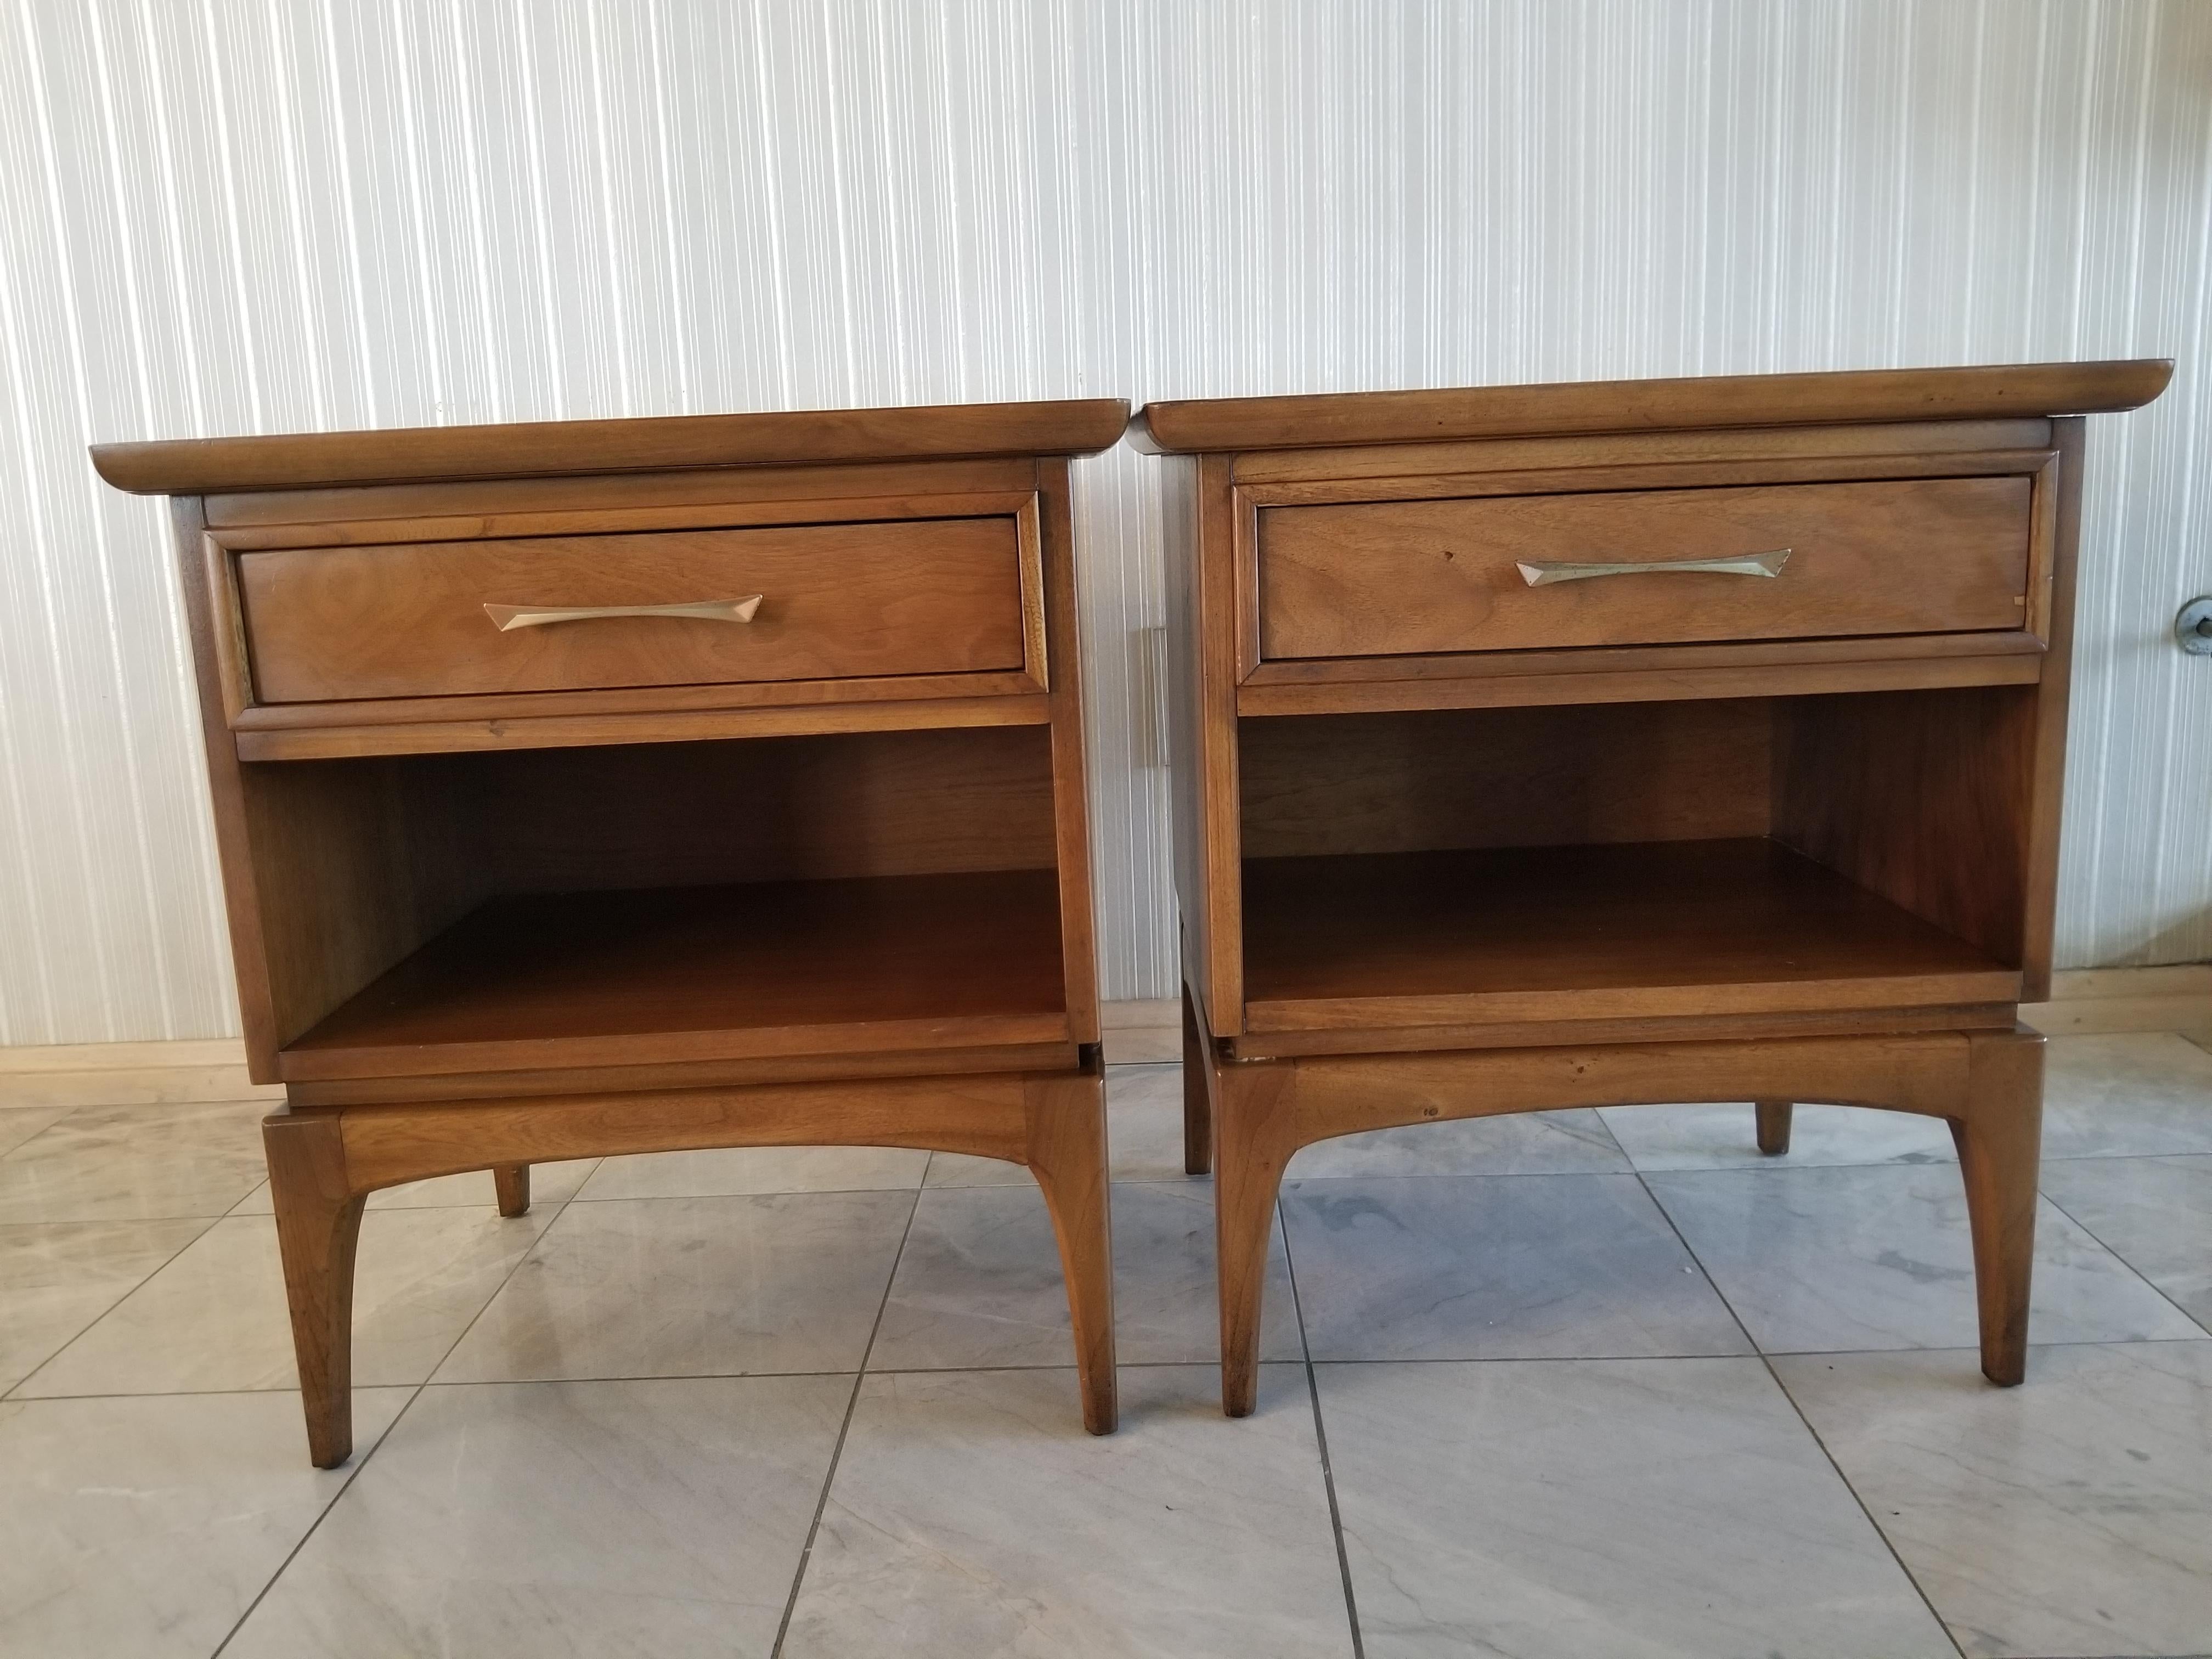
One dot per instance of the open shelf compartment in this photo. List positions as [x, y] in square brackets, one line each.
[1788, 856]
[746, 970]
[859, 894]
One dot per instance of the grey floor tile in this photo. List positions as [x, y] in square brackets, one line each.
[1496, 1266]
[1143, 1136]
[960, 1169]
[1588, 1509]
[970, 1515]
[2071, 1515]
[1724, 1137]
[136, 1164]
[19, 1124]
[2154, 1213]
[691, 1287]
[1523, 1143]
[979, 1284]
[143, 1528]
[1815, 1261]
[1144, 1122]
[743, 1169]
[662, 1517]
[2127, 1095]
[215, 1317]
[57, 1279]
[550, 1183]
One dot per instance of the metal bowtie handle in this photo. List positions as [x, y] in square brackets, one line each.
[536, 615]
[1741, 564]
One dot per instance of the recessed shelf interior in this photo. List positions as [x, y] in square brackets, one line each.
[1622, 860]
[709, 900]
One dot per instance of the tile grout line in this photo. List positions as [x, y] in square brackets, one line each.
[315, 1526]
[1865, 1509]
[2158, 1290]
[13, 1390]
[837, 1448]
[399, 1417]
[1147, 1365]
[1767, 1363]
[1321, 1440]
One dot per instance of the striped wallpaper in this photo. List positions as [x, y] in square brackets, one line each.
[260, 215]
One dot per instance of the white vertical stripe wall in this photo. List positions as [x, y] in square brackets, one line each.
[259, 216]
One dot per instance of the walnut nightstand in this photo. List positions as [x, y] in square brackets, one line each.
[1591, 744]
[627, 786]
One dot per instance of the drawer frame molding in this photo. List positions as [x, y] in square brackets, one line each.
[1913, 655]
[306, 730]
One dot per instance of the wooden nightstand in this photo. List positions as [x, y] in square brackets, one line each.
[629, 786]
[1591, 745]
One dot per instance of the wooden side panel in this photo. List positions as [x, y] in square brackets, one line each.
[2047, 781]
[1062, 671]
[1186, 799]
[1570, 775]
[226, 789]
[355, 864]
[1924, 797]
[1201, 545]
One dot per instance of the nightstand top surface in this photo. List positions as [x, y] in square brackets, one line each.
[1224, 425]
[192, 466]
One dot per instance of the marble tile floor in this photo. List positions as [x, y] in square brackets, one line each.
[1590, 1383]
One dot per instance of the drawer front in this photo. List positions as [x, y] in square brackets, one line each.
[1898, 556]
[938, 596]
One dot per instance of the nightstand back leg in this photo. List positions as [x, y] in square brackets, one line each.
[1773, 1125]
[512, 1183]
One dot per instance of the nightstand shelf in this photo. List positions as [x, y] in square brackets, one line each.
[1640, 931]
[769, 969]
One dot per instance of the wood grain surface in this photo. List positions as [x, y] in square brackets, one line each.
[1991, 392]
[1898, 556]
[667, 973]
[407, 620]
[198, 467]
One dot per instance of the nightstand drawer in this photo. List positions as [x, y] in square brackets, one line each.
[1510, 573]
[558, 613]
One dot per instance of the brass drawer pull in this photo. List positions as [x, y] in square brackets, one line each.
[532, 616]
[1743, 565]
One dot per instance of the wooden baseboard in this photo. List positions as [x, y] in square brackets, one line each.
[129, 1075]
[2084, 1001]
[1141, 1032]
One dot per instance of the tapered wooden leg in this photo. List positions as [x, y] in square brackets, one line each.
[1251, 1145]
[511, 1181]
[2000, 1140]
[1197, 1109]
[1067, 1156]
[318, 1225]
[1773, 1125]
